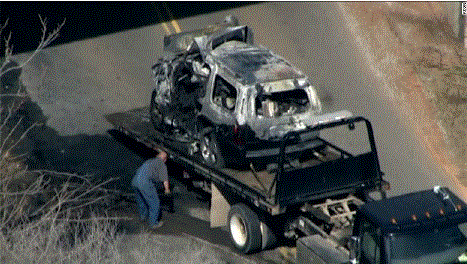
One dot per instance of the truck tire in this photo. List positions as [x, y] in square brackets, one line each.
[244, 229]
[210, 151]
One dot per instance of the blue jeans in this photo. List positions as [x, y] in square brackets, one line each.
[147, 198]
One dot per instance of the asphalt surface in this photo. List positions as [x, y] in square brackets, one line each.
[76, 84]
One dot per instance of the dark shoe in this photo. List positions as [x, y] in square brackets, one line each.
[156, 226]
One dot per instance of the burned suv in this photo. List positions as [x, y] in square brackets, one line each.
[229, 101]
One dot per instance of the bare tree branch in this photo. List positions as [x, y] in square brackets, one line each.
[2, 27]
[22, 136]
[46, 39]
[7, 41]
[14, 95]
[8, 51]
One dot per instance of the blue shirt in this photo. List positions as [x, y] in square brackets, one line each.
[152, 170]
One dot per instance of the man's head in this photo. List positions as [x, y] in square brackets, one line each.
[162, 155]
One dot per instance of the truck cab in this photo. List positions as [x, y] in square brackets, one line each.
[426, 227]
[423, 227]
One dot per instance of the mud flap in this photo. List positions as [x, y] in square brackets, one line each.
[219, 208]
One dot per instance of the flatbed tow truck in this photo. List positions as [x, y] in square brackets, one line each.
[329, 201]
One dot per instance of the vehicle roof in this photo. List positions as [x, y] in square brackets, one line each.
[252, 64]
[180, 42]
[419, 210]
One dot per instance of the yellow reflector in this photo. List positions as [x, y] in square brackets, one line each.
[393, 221]
[414, 217]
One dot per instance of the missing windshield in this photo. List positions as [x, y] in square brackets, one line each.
[282, 103]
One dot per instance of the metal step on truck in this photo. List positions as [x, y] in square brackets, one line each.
[329, 201]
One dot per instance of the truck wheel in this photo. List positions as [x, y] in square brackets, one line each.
[210, 151]
[244, 228]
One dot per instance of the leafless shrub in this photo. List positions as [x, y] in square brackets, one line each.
[46, 39]
[61, 242]
[45, 216]
[11, 102]
[55, 218]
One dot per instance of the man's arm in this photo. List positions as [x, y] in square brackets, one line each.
[166, 187]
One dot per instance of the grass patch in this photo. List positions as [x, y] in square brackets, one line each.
[446, 87]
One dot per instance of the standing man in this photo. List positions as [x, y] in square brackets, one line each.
[150, 173]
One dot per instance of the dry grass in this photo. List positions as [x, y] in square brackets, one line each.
[446, 86]
[60, 242]
[176, 250]
[45, 217]
[425, 66]
[49, 217]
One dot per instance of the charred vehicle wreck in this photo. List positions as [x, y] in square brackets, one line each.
[229, 100]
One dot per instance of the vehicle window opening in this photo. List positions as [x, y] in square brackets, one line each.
[224, 94]
[188, 85]
[182, 78]
[236, 35]
[282, 103]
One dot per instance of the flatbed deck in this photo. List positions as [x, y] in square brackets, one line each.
[263, 180]
[326, 172]
[136, 124]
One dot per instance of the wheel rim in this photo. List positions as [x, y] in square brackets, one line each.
[206, 151]
[238, 230]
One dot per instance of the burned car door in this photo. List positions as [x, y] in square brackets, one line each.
[160, 98]
[221, 102]
[183, 83]
[220, 106]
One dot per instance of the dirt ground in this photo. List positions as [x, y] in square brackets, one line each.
[413, 49]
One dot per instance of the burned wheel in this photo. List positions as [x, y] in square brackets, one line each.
[210, 152]
[244, 229]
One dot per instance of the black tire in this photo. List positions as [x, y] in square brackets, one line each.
[210, 152]
[244, 229]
